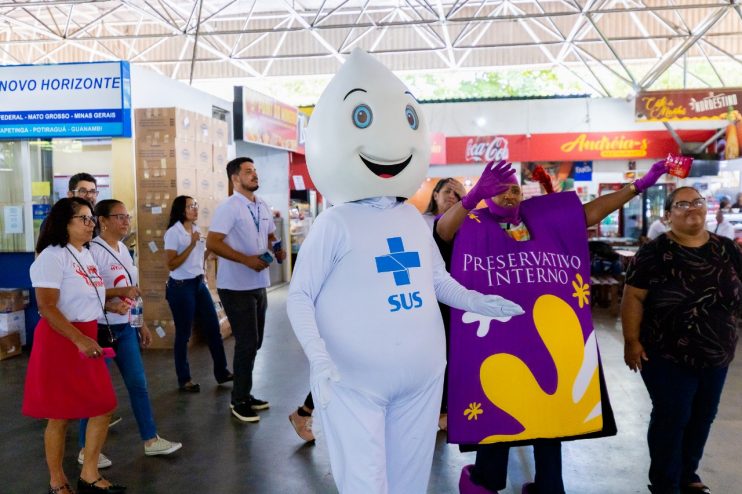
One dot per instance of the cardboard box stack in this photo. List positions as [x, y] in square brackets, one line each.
[175, 155]
[13, 301]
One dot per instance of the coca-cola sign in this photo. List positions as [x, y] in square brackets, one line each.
[489, 148]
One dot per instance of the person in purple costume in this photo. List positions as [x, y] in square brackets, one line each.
[551, 226]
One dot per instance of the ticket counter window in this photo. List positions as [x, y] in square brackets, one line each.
[34, 174]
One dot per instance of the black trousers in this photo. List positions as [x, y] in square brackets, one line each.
[245, 310]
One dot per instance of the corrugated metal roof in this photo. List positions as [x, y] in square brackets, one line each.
[262, 38]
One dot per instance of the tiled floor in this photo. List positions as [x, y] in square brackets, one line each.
[221, 455]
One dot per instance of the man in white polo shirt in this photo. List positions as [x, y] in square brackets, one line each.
[242, 230]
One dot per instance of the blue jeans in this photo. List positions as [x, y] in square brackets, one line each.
[190, 300]
[246, 313]
[684, 405]
[129, 361]
[491, 466]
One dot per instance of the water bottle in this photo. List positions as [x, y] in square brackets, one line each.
[136, 313]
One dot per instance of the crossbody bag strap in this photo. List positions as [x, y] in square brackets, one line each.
[131, 280]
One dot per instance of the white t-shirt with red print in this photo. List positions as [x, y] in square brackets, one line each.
[115, 268]
[80, 296]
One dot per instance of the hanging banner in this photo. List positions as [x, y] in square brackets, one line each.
[586, 146]
[689, 104]
[65, 100]
[269, 122]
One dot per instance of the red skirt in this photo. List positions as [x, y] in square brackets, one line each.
[61, 383]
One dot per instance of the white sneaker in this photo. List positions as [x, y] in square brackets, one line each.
[161, 447]
[103, 461]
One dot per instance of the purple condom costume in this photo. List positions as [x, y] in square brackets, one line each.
[536, 376]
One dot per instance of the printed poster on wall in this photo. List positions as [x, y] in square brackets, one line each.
[269, 122]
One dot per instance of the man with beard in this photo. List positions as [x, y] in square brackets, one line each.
[241, 233]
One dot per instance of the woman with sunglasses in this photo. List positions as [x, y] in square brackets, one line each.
[187, 294]
[121, 278]
[67, 378]
[679, 315]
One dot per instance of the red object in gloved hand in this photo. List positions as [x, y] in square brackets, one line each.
[540, 175]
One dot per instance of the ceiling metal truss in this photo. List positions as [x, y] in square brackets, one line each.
[635, 41]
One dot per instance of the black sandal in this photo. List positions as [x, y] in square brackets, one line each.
[190, 387]
[84, 487]
[63, 487]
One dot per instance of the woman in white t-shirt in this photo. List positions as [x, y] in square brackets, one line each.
[187, 294]
[67, 377]
[121, 278]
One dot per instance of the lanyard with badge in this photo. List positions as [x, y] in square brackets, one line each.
[256, 220]
[104, 340]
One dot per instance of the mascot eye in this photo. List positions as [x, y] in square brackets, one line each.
[412, 119]
[362, 116]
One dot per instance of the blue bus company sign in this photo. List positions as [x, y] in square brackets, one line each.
[65, 100]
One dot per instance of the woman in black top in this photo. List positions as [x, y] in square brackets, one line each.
[679, 314]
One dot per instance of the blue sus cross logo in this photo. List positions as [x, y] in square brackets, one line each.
[398, 262]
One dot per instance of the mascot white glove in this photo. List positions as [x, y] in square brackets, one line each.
[493, 306]
[322, 371]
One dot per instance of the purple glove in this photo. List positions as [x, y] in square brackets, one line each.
[651, 177]
[495, 180]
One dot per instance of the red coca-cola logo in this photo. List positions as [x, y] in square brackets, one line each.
[487, 149]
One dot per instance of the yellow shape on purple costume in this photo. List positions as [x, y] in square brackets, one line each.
[511, 386]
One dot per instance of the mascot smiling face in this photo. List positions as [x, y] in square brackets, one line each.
[366, 136]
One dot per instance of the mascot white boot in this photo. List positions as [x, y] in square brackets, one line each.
[363, 296]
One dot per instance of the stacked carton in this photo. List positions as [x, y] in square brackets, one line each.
[13, 301]
[174, 156]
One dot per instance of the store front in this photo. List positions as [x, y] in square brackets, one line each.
[56, 121]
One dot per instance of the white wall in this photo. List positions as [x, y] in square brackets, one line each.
[152, 90]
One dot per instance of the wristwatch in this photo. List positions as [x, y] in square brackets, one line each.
[633, 188]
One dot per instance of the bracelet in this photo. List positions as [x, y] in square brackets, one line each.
[634, 188]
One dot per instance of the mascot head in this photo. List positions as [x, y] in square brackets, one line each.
[366, 136]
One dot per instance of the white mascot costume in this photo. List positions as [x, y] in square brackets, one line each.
[363, 296]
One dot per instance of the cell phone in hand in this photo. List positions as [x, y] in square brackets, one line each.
[266, 256]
